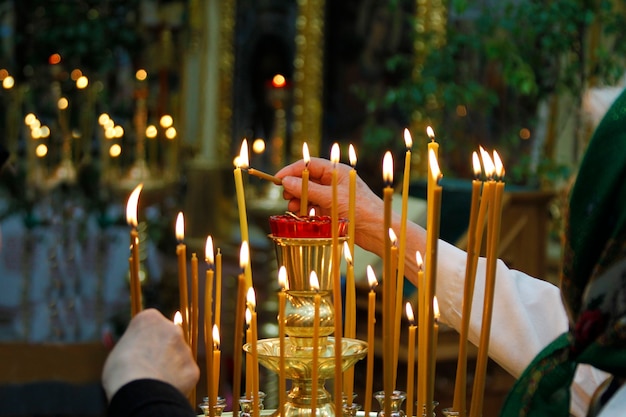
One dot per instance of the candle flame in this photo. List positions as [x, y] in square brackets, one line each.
[244, 254]
[434, 165]
[305, 154]
[180, 227]
[431, 133]
[371, 277]
[178, 319]
[283, 282]
[216, 337]
[346, 253]
[131, 206]
[408, 140]
[352, 155]
[436, 308]
[392, 237]
[248, 317]
[388, 168]
[476, 164]
[243, 160]
[312, 212]
[499, 168]
[208, 250]
[314, 282]
[409, 312]
[251, 298]
[487, 163]
[418, 259]
[334, 153]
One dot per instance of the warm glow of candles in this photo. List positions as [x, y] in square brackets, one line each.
[251, 302]
[208, 319]
[178, 319]
[350, 317]
[352, 197]
[216, 363]
[283, 282]
[334, 157]
[242, 162]
[239, 312]
[388, 325]
[410, 373]
[312, 212]
[181, 252]
[315, 286]
[371, 321]
[304, 198]
[135, 279]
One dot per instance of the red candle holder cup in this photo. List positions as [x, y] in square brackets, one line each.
[305, 227]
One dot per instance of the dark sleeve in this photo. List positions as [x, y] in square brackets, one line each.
[149, 397]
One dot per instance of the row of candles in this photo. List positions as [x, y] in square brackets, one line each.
[485, 209]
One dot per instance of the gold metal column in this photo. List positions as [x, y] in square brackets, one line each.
[308, 78]
[226, 71]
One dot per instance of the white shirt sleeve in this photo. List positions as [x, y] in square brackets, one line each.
[528, 314]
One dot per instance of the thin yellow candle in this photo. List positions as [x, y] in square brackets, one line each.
[433, 350]
[249, 338]
[388, 368]
[218, 288]
[394, 302]
[194, 309]
[315, 286]
[334, 157]
[251, 301]
[493, 225]
[242, 162]
[460, 386]
[304, 197]
[371, 321]
[410, 372]
[135, 282]
[350, 318]
[208, 320]
[217, 356]
[238, 331]
[421, 332]
[264, 176]
[351, 198]
[181, 252]
[282, 299]
[432, 238]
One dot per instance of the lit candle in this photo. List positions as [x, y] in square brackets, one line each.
[352, 198]
[218, 288]
[422, 353]
[460, 386]
[410, 373]
[242, 162]
[249, 361]
[388, 349]
[239, 311]
[313, 281]
[217, 356]
[251, 301]
[395, 302]
[181, 252]
[350, 317]
[135, 282]
[304, 197]
[334, 157]
[371, 321]
[208, 320]
[282, 379]
[432, 352]
[493, 235]
[178, 319]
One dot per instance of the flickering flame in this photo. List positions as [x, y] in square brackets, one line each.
[418, 259]
[131, 206]
[180, 227]
[248, 317]
[283, 282]
[476, 164]
[178, 319]
[208, 250]
[244, 254]
[430, 132]
[334, 153]
[251, 298]
[216, 337]
[314, 282]
[487, 163]
[409, 313]
[352, 155]
[436, 309]
[392, 237]
[408, 140]
[371, 277]
[434, 165]
[243, 160]
[305, 154]
[498, 165]
[346, 253]
[312, 212]
[388, 168]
